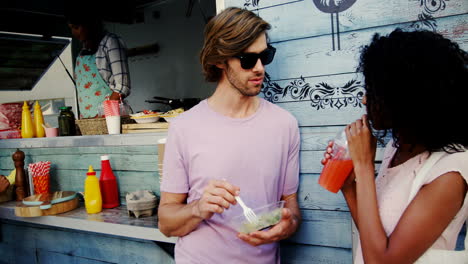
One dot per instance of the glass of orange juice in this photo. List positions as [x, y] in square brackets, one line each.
[338, 167]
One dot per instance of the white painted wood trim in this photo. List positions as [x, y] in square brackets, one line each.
[220, 5]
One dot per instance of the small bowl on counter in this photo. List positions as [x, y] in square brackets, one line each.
[145, 118]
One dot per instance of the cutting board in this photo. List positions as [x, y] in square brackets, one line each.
[145, 127]
[49, 198]
[52, 204]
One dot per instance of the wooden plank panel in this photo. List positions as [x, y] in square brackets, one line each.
[7, 253]
[305, 254]
[256, 5]
[128, 181]
[312, 196]
[302, 19]
[324, 228]
[50, 257]
[314, 57]
[24, 256]
[317, 90]
[6, 163]
[310, 160]
[11, 254]
[103, 150]
[317, 138]
[84, 245]
[79, 161]
[306, 115]
[5, 172]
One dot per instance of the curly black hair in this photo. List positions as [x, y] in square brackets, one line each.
[417, 89]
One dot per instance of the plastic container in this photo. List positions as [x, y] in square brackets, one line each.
[268, 215]
[66, 122]
[27, 128]
[92, 192]
[338, 167]
[108, 183]
[51, 131]
[113, 125]
[38, 120]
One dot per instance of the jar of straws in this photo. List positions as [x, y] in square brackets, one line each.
[40, 174]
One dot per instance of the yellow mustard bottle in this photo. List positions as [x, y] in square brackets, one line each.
[92, 193]
[27, 128]
[38, 120]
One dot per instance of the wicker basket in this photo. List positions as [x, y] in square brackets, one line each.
[98, 126]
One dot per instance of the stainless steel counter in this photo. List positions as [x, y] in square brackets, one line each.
[114, 221]
[85, 141]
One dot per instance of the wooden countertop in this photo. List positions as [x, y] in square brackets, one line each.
[114, 221]
[144, 139]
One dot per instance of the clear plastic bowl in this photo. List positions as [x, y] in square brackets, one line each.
[146, 119]
[268, 215]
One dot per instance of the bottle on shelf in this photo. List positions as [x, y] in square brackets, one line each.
[38, 120]
[92, 192]
[66, 121]
[108, 183]
[27, 128]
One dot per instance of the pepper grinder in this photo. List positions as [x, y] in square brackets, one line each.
[20, 179]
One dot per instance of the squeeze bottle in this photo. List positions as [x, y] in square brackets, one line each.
[27, 128]
[38, 120]
[108, 183]
[92, 193]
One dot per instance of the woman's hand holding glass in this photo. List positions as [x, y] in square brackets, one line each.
[361, 142]
[327, 155]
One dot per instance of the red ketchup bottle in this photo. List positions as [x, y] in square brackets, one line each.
[108, 185]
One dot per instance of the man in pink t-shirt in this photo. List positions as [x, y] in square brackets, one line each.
[233, 143]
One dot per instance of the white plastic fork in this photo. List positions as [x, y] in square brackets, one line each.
[248, 213]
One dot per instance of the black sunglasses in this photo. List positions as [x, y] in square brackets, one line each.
[248, 60]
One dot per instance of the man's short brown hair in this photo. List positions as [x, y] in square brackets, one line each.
[226, 35]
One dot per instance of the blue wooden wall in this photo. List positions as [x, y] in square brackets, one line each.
[314, 77]
[22, 243]
[134, 166]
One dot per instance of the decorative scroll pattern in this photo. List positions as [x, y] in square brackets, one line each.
[350, 94]
[271, 90]
[253, 3]
[298, 88]
[426, 18]
[321, 96]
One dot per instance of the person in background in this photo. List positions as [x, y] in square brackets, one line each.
[7, 181]
[231, 144]
[101, 68]
[4, 183]
[416, 88]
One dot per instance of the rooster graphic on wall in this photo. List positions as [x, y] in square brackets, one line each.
[334, 7]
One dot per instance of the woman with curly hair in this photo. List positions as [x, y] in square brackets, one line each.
[416, 89]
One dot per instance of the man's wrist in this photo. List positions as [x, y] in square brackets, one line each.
[296, 222]
[195, 210]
